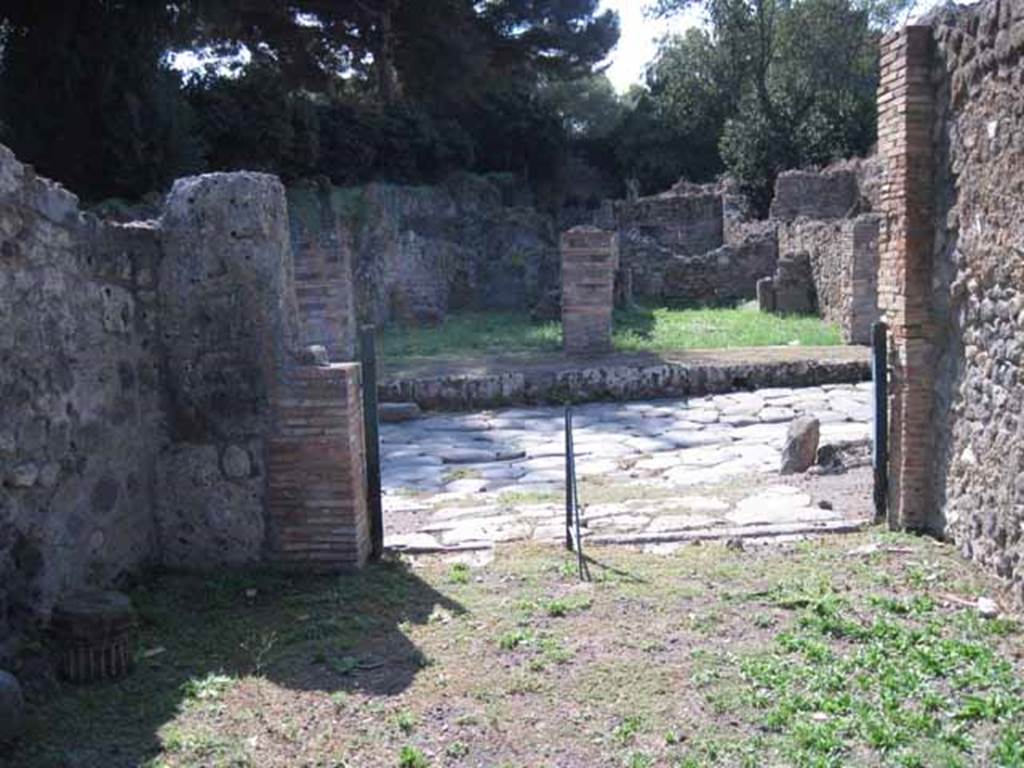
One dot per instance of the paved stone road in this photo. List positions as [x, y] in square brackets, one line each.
[651, 471]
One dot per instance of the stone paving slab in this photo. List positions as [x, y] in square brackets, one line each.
[481, 484]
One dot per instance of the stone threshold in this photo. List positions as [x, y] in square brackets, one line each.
[717, 533]
[471, 384]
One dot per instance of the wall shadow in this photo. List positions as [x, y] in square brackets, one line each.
[197, 632]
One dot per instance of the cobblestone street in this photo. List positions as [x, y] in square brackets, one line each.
[651, 473]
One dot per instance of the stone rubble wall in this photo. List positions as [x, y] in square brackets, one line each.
[844, 257]
[144, 368]
[725, 275]
[419, 253]
[974, 284]
[686, 222]
[621, 380]
[828, 194]
[79, 395]
[229, 326]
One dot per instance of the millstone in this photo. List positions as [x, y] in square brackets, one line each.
[94, 631]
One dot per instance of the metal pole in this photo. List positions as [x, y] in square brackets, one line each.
[880, 444]
[570, 491]
[368, 358]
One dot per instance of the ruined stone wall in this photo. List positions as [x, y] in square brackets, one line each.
[951, 126]
[658, 233]
[229, 326]
[725, 275]
[828, 194]
[976, 286]
[146, 370]
[420, 253]
[844, 259]
[79, 395]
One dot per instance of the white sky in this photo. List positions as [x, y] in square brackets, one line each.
[640, 35]
[639, 40]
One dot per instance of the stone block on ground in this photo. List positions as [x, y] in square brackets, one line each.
[801, 446]
[12, 707]
[393, 413]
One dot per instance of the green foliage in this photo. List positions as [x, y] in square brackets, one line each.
[397, 90]
[411, 757]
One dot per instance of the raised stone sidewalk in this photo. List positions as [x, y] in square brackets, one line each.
[655, 471]
[470, 384]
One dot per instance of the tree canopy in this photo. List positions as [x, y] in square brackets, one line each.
[352, 89]
[92, 91]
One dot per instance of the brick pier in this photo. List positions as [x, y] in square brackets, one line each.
[590, 258]
[905, 120]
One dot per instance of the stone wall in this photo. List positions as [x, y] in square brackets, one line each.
[828, 194]
[229, 327]
[952, 136]
[660, 232]
[79, 399]
[144, 368]
[419, 253]
[725, 275]
[844, 256]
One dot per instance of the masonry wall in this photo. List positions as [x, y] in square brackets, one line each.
[229, 328]
[844, 261]
[977, 287]
[656, 233]
[420, 253]
[79, 396]
[147, 371]
[951, 276]
[323, 254]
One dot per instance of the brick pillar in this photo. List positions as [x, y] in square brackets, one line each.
[590, 258]
[317, 514]
[905, 120]
[324, 282]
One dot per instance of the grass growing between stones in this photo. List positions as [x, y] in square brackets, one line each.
[799, 655]
[637, 330]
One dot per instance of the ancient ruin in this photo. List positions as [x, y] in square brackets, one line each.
[158, 403]
[950, 140]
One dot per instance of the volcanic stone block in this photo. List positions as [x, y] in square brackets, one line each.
[590, 258]
[94, 631]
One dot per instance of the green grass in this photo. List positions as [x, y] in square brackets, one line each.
[798, 655]
[638, 330]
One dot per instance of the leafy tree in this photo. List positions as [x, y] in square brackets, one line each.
[788, 82]
[86, 98]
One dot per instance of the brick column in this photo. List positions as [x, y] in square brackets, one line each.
[590, 258]
[905, 120]
[317, 514]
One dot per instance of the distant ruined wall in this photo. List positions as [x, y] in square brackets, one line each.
[419, 253]
[844, 260]
[952, 138]
[147, 372]
[659, 233]
[79, 397]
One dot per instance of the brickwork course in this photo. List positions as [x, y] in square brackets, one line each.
[157, 408]
[590, 258]
[951, 136]
[905, 117]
